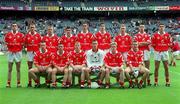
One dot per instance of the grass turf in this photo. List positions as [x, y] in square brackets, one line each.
[148, 95]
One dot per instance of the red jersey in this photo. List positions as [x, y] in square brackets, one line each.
[68, 42]
[143, 38]
[51, 42]
[32, 41]
[113, 60]
[135, 58]
[175, 46]
[123, 43]
[60, 60]
[85, 39]
[42, 59]
[15, 41]
[161, 42]
[104, 40]
[77, 58]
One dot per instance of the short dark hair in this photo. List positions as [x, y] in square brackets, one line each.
[161, 24]
[14, 23]
[85, 23]
[68, 27]
[102, 23]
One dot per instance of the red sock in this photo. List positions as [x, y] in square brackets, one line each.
[8, 82]
[130, 82]
[89, 82]
[156, 80]
[136, 80]
[167, 80]
[148, 81]
[64, 83]
[107, 84]
[30, 82]
[99, 82]
[121, 83]
[54, 84]
[37, 81]
[82, 82]
[48, 81]
[18, 82]
[141, 82]
[68, 83]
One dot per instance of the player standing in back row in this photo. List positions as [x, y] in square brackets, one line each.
[161, 42]
[85, 37]
[103, 38]
[144, 41]
[123, 41]
[14, 41]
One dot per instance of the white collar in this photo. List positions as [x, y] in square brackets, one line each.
[102, 33]
[111, 52]
[84, 33]
[13, 33]
[67, 36]
[51, 36]
[124, 35]
[160, 34]
[33, 34]
[142, 33]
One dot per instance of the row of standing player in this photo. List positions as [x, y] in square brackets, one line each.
[15, 40]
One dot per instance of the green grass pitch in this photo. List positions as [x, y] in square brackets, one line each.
[148, 95]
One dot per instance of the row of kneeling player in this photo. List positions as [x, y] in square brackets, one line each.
[94, 61]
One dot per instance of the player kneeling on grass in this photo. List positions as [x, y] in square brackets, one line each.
[42, 62]
[114, 64]
[60, 61]
[95, 63]
[136, 66]
[77, 65]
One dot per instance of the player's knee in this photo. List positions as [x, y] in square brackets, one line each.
[107, 71]
[83, 69]
[70, 71]
[66, 71]
[30, 71]
[126, 71]
[103, 71]
[87, 70]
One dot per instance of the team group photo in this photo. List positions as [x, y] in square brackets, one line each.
[80, 50]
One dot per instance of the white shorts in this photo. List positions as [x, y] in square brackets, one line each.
[30, 56]
[176, 53]
[146, 55]
[124, 54]
[14, 56]
[158, 56]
